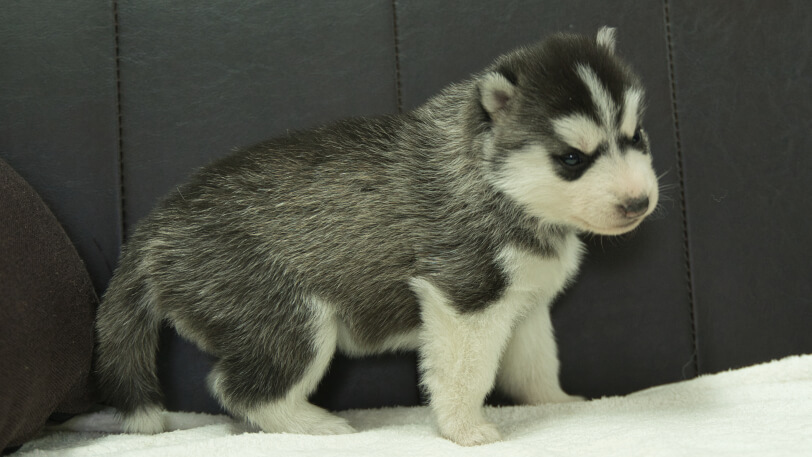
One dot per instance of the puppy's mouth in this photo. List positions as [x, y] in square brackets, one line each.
[622, 227]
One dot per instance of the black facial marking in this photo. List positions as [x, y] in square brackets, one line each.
[573, 158]
[573, 163]
[636, 138]
[637, 141]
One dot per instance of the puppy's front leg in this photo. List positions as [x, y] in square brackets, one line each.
[529, 367]
[459, 359]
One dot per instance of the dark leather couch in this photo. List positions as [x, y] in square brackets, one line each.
[105, 106]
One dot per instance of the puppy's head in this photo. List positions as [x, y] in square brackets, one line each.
[564, 135]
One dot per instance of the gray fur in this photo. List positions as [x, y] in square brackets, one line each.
[348, 213]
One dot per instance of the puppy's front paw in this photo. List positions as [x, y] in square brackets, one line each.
[147, 420]
[472, 434]
[337, 426]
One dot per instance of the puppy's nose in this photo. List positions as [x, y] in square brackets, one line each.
[635, 207]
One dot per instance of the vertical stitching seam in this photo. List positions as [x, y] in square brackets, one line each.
[683, 202]
[122, 199]
[419, 392]
[397, 56]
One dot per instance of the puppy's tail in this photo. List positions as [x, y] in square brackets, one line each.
[127, 342]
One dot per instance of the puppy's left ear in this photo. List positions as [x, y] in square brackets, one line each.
[606, 38]
[496, 92]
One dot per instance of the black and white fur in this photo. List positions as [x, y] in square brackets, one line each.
[448, 230]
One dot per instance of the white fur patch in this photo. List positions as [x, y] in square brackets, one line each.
[528, 177]
[632, 101]
[636, 179]
[580, 132]
[607, 38]
[326, 338]
[529, 369]
[400, 342]
[600, 96]
[542, 275]
[147, 421]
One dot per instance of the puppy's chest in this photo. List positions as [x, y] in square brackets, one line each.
[542, 275]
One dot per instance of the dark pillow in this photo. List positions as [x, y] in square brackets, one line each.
[47, 303]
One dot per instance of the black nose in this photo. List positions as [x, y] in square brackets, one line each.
[635, 207]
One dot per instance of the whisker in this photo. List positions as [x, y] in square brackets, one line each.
[662, 175]
[660, 211]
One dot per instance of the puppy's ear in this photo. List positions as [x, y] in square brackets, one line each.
[606, 38]
[496, 92]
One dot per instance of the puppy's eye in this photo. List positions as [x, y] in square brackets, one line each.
[572, 158]
[637, 137]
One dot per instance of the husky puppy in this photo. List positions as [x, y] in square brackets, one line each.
[447, 230]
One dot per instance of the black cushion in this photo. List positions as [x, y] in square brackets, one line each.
[47, 304]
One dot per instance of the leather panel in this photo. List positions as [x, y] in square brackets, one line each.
[202, 78]
[58, 126]
[744, 94]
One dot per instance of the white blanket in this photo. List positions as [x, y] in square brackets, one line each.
[764, 410]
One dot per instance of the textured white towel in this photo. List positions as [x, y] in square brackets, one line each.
[764, 410]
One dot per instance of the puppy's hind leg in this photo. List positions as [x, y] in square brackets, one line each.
[127, 329]
[267, 382]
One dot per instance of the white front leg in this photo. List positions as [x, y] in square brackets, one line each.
[459, 358]
[529, 368]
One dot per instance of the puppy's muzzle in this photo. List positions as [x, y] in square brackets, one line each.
[634, 208]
